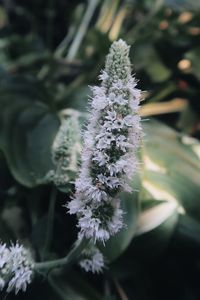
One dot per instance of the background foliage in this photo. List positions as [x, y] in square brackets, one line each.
[50, 51]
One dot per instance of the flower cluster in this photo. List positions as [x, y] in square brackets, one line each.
[16, 267]
[92, 260]
[109, 151]
[65, 150]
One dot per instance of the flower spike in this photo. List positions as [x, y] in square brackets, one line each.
[109, 157]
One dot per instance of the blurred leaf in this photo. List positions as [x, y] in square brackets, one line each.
[155, 228]
[155, 216]
[27, 131]
[13, 87]
[130, 205]
[77, 99]
[74, 287]
[145, 57]
[150, 203]
[193, 56]
[184, 4]
[188, 120]
[107, 15]
[175, 105]
[188, 231]
[172, 168]
[30, 59]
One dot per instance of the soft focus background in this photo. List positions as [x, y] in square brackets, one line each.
[50, 51]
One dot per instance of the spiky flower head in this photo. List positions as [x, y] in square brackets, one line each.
[16, 267]
[109, 151]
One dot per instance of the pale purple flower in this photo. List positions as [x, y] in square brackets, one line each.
[92, 260]
[16, 267]
[111, 140]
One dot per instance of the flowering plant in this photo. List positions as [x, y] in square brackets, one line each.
[109, 152]
[78, 195]
[109, 160]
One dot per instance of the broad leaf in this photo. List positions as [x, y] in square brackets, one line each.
[28, 128]
[172, 168]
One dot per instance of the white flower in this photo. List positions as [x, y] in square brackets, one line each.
[2, 283]
[4, 256]
[100, 157]
[92, 260]
[16, 267]
[20, 280]
[101, 221]
[109, 152]
[112, 182]
[96, 194]
[83, 183]
[21, 268]
[129, 120]
[103, 76]
[74, 206]
[104, 140]
[102, 235]
[5, 264]
[111, 115]
[121, 142]
[99, 102]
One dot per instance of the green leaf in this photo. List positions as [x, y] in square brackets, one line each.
[73, 287]
[155, 216]
[188, 232]
[155, 228]
[172, 168]
[184, 4]
[193, 56]
[145, 57]
[27, 132]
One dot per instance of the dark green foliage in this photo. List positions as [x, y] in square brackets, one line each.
[157, 254]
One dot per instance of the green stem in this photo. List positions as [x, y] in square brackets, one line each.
[65, 42]
[65, 261]
[50, 220]
[58, 291]
[82, 29]
[62, 47]
[50, 19]
[170, 88]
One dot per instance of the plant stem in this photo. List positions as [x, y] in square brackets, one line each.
[58, 291]
[82, 29]
[171, 87]
[63, 45]
[50, 220]
[50, 20]
[65, 261]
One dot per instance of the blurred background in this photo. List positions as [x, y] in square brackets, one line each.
[50, 51]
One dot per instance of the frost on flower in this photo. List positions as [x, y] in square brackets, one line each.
[111, 140]
[16, 267]
[92, 260]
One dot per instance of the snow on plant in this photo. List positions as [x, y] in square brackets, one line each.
[109, 157]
